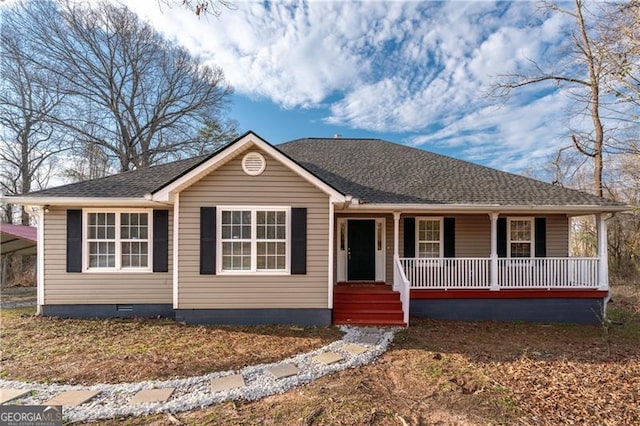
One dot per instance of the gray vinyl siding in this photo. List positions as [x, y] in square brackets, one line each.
[557, 233]
[473, 234]
[97, 288]
[557, 236]
[276, 186]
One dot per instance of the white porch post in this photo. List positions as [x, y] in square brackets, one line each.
[494, 251]
[332, 244]
[396, 234]
[396, 247]
[603, 258]
[176, 248]
[40, 261]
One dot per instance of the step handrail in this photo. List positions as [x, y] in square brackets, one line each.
[402, 285]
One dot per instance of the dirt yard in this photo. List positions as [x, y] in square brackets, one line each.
[436, 372]
[112, 351]
[465, 373]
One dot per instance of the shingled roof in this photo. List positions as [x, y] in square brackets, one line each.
[371, 170]
[377, 171]
[132, 184]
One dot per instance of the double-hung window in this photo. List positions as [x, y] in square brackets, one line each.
[254, 239]
[520, 237]
[117, 240]
[429, 237]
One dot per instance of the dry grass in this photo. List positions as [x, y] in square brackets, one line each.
[461, 373]
[111, 351]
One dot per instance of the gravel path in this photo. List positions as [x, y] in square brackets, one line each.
[195, 392]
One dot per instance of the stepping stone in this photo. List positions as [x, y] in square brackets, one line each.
[7, 395]
[72, 397]
[355, 349]
[151, 395]
[284, 370]
[369, 339]
[328, 358]
[369, 330]
[227, 383]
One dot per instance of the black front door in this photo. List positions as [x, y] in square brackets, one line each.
[361, 250]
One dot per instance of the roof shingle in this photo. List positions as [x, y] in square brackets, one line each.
[132, 184]
[377, 171]
[371, 170]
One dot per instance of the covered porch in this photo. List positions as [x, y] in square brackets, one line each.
[434, 256]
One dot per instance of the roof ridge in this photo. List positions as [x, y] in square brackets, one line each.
[458, 160]
[332, 139]
[373, 170]
[419, 154]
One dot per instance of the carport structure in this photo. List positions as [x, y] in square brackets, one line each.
[18, 239]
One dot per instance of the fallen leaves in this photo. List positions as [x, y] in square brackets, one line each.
[115, 350]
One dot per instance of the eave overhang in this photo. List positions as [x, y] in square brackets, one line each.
[81, 201]
[572, 210]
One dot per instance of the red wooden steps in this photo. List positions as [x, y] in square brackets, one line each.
[367, 303]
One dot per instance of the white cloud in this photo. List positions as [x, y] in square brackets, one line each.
[294, 54]
[511, 136]
[408, 67]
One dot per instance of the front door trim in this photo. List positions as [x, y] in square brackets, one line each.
[342, 243]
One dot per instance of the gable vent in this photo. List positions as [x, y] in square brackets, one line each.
[253, 163]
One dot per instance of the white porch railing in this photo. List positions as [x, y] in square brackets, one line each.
[448, 273]
[550, 272]
[513, 273]
[401, 284]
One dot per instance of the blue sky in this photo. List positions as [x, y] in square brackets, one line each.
[411, 72]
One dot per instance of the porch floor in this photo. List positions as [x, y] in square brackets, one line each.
[367, 303]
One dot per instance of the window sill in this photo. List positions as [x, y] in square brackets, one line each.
[254, 273]
[117, 271]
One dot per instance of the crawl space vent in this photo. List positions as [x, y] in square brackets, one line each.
[253, 163]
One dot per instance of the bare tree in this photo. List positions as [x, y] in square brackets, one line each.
[30, 141]
[621, 31]
[203, 7]
[584, 71]
[128, 92]
[217, 133]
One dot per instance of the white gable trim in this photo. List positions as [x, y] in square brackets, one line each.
[166, 194]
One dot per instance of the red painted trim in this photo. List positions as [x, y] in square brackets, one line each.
[508, 294]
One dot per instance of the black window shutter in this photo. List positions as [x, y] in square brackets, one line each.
[208, 240]
[409, 237]
[541, 237]
[449, 237]
[160, 240]
[299, 240]
[74, 240]
[502, 237]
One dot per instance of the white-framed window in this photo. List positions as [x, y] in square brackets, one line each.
[520, 236]
[429, 235]
[117, 240]
[253, 239]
